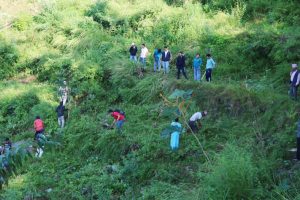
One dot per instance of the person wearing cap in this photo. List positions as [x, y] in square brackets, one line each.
[294, 81]
[180, 64]
[133, 50]
[193, 120]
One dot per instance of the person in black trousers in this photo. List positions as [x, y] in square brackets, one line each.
[298, 141]
[180, 63]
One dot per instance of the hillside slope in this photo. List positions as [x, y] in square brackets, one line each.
[241, 151]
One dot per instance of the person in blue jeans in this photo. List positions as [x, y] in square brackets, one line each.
[210, 65]
[197, 67]
[133, 50]
[166, 58]
[143, 56]
[157, 59]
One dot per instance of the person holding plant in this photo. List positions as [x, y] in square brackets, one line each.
[166, 58]
[294, 81]
[194, 119]
[180, 64]
[210, 65]
[197, 62]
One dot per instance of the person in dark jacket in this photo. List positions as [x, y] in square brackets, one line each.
[180, 64]
[60, 115]
[7, 143]
[294, 81]
[165, 59]
[133, 50]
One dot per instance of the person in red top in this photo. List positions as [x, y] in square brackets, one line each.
[118, 119]
[38, 126]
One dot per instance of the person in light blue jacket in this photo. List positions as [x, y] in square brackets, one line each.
[174, 142]
[197, 67]
[210, 65]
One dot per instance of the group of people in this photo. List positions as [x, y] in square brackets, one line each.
[194, 126]
[39, 126]
[162, 59]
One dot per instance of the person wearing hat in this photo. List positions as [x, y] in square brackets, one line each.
[133, 50]
[193, 120]
[294, 81]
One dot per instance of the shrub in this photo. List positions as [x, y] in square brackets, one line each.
[22, 22]
[8, 59]
[233, 176]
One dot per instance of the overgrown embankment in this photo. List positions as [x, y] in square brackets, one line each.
[246, 135]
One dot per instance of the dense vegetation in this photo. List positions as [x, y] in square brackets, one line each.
[251, 121]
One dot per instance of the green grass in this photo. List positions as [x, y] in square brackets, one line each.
[251, 121]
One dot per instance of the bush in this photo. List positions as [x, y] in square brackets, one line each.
[23, 22]
[233, 176]
[16, 113]
[8, 58]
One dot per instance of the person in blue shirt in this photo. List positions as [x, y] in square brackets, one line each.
[177, 128]
[197, 67]
[157, 59]
[210, 64]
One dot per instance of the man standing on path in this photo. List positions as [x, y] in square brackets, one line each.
[60, 114]
[64, 92]
[294, 81]
[38, 126]
[180, 64]
[166, 58]
[210, 64]
[193, 120]
[143, 56]
[119, 119]
[197, 67]
[133, 50]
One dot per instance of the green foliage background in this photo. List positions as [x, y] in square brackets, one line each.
[251, 122]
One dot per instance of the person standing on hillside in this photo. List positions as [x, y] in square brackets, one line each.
[177, 128]
[210, 65]
[60, 114]
[64, 92]
[197, 67]
[119, 119]
[166, 58]
[38, 126]
[133, 51]
[180, 64]
[194, 119]
[143, 56]
[157, 59]
[294, 81]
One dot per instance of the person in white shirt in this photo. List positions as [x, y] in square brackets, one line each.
[193, 120]
[294, 81]
[143, 56]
